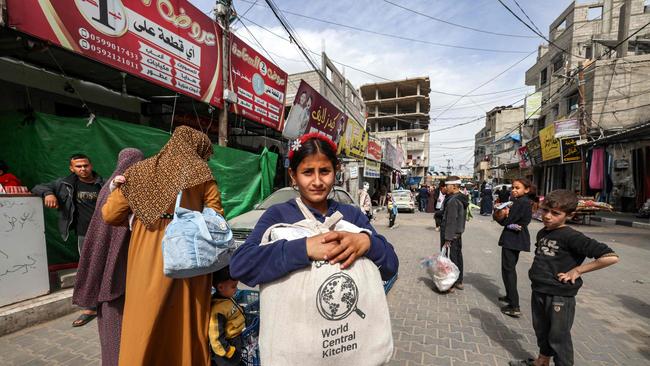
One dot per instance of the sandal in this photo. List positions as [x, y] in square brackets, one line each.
[511, 311]
[83, 319]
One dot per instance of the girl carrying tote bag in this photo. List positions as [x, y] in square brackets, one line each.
[322, 315]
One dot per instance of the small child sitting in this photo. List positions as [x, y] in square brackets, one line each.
[226, 320]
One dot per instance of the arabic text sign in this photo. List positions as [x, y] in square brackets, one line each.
[523, 157]
[354, 141]
[168, 42]
[566, 128]
[260, 85]
[390, 156]
[550, 145]
[533, 105]
[374, 149]
[371, 169]
[311, 112]
[570, 151]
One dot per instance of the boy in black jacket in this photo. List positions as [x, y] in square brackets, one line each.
[453, 225]
[555, 276]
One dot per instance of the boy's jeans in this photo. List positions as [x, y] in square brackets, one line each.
[552, 321]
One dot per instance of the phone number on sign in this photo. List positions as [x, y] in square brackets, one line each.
[101, 41]
[112, 56]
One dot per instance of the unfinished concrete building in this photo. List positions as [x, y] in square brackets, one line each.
[399, 111]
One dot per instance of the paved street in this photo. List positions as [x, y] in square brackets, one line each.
[464, 328]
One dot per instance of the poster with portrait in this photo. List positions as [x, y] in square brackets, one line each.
[312, 112]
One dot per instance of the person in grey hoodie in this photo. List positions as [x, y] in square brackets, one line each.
[453, 225]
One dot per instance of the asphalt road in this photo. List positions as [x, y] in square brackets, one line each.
[612, 324]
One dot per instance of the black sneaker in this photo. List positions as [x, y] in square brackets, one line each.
[504, 299]
[512, 311]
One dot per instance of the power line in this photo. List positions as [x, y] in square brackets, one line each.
[536, 32]
[455, 24]
[396, 36]
[527, 17]
[487, 82]
[364, 71]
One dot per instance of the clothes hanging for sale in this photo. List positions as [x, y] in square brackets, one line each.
[597, 168]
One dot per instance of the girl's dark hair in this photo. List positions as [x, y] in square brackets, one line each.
[532, 190]
[310, 147]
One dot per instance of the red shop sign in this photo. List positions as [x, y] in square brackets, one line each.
[168, 42]
[374, 149]
[260, 85]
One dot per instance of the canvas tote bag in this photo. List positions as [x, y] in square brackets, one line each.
[322, 315]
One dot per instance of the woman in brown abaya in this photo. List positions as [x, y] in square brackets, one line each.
[165, 320]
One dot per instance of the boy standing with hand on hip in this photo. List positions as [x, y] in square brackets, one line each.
[556, 278]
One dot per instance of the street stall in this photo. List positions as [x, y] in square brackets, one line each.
[587, 207]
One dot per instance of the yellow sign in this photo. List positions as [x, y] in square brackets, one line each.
[550, 145]
[354, 141]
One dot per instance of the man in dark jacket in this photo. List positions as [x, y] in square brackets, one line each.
[75, 197]
[423, 197]
[453, 224]
[503, 194]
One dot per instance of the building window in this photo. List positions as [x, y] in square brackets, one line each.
[561, 27]
[543, 77]
[595, 13]
[589, 52]
[572, 103]
[558, 63]
[646, 6]
[556, 111]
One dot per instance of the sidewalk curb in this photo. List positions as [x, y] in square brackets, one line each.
[34, 311]
[628, 223]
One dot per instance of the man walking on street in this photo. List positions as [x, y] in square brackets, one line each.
[453, 225]
[75, 197]
[423, 198]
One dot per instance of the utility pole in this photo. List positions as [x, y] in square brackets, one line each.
[583, 127]
[223, 12]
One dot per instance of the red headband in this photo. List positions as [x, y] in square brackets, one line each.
[297, 144]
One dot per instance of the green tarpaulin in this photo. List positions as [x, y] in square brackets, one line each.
[38, 151]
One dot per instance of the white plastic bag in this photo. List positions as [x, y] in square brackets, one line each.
[441, 269]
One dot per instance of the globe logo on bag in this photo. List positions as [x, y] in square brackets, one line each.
[338, 297]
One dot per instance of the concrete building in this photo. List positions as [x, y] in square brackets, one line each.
[616, 72]
[496, 144]
[343, 89]
[341, 93]
[399, 111]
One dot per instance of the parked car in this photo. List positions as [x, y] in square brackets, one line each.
[404, 200]
[243, 224]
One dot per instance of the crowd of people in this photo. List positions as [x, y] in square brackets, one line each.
[145, 317]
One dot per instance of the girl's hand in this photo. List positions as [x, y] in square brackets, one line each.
[317, 249]
[348, 247]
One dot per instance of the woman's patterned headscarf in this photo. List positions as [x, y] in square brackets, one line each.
[152, 184]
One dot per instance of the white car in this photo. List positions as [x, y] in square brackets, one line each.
[243, 224]
[404, 200]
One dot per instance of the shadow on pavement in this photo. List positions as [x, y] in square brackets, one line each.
[485, 285]
[429, 283]
[635, 305]
[500, 333]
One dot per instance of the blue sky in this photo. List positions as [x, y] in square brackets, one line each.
[451, 70]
